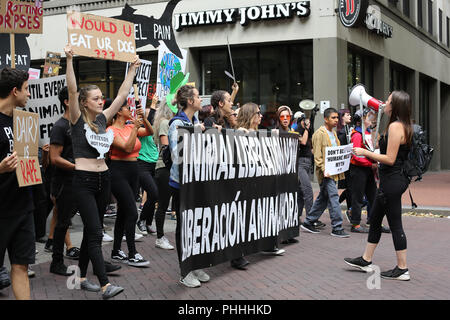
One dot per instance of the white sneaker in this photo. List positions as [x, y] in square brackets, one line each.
[201, 275]
[190, 281]
[107, 237]
[164, 243]
[137, 237]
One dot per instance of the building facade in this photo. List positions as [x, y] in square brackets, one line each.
[287, 51]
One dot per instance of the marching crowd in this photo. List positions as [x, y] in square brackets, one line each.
[80, 177]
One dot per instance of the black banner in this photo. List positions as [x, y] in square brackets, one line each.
[238, 194]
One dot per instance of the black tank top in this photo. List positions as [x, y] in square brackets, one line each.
[402, 155]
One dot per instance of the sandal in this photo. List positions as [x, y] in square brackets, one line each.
[73, 253]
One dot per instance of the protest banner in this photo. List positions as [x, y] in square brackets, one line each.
[26, 139]
[21, 16]
[142, 79]
[52, 64]
[337, 159]
[238, 194]
[21, 51]
[100, 37]
[45, 103]
[168, 66]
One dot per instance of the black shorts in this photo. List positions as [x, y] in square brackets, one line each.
[18, 237]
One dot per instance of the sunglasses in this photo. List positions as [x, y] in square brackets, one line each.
[285, 117]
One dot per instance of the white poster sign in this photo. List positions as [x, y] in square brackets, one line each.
[168, 66]
[44, 101]
[143, 80]
[337, 159]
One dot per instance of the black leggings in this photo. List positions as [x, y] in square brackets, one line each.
[363, 184]
[175, 193]
[162, 181]
[389, 202]
[92, 191]
[147, 182]
[124, 186]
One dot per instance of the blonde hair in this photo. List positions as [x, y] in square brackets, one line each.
[81, 100]
[163, 112]
[246, 114]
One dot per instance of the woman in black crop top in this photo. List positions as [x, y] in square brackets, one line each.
[92, 182]
[393, 183]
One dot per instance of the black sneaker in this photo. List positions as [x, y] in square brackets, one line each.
[5, 280]
[319, 224]
[385, 229]
[340, 233]
[359, 263]
[359, 229]
[396, 274]
[310, 228]
[73, 253]
[119, 256]
[61, 269]
[137, 261]
[109, 267]
[240, 263]
[49, 245]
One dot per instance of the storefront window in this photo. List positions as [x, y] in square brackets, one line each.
[424, 108]
[270, 76]
[359, 70]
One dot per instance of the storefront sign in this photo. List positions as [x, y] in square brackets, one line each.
[26, 145]
[238, 194]
[243, 15]
[21, 16]
[355, 13]
[100, 37]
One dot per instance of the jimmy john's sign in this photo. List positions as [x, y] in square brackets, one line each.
[243, 15]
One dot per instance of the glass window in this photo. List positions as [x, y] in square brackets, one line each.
[424, 108]
[359, 70]
[419, 13]
[430, 17]
[448, 32]
[406, 8]
[92, 72]
[440, 25]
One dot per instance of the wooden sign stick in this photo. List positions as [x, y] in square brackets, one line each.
[13, 50]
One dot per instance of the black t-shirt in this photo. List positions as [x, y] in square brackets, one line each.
[61, 136]
[13, 200]
[305, 150]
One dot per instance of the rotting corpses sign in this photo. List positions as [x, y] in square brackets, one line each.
[21, 16]
[238, 194]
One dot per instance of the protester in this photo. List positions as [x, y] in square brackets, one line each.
[61, 156]
[92, 180]
[206, 112]
[394, 148]
[362, 173]
[125, 180]
[148, 155]
[17, 234]
[328, 194]
[248, 120]
[161, 127]
[343, 133]
[189, 102]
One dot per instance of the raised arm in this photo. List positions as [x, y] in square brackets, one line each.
[147, 130]
[123, 91]
[235, 91]
[74, 109]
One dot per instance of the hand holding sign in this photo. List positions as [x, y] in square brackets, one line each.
[9, 164]
[359, 152]
[68, 51]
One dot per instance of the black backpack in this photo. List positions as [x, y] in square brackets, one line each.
[166, 156]
[419, 157]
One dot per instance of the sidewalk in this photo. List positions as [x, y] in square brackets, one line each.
[312, 269]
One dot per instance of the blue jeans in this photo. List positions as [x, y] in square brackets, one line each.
[306, 196]
[328, 196]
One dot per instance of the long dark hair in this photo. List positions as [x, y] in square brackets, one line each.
[217, 97]
[401, 111]
[341, 114]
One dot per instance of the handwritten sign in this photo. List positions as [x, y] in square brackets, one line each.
[26, 145]
[101, 37]
[52, 64]
[337, 159]
[44, 102]
[143, 79]
[21, 16]
[168, 66]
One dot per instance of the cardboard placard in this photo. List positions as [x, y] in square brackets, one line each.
[100, 37]
[26, 140]
[21, 16]
[52, 64]
[44, 102]
[143, 79]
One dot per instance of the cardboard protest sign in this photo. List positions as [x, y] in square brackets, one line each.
[168, 66]
[26, 145]
[52, 64]
[143, 79]
[337, 159]
[101, 37]
[21, 16]
[45, 103]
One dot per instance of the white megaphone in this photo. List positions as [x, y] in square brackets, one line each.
[359, 95]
